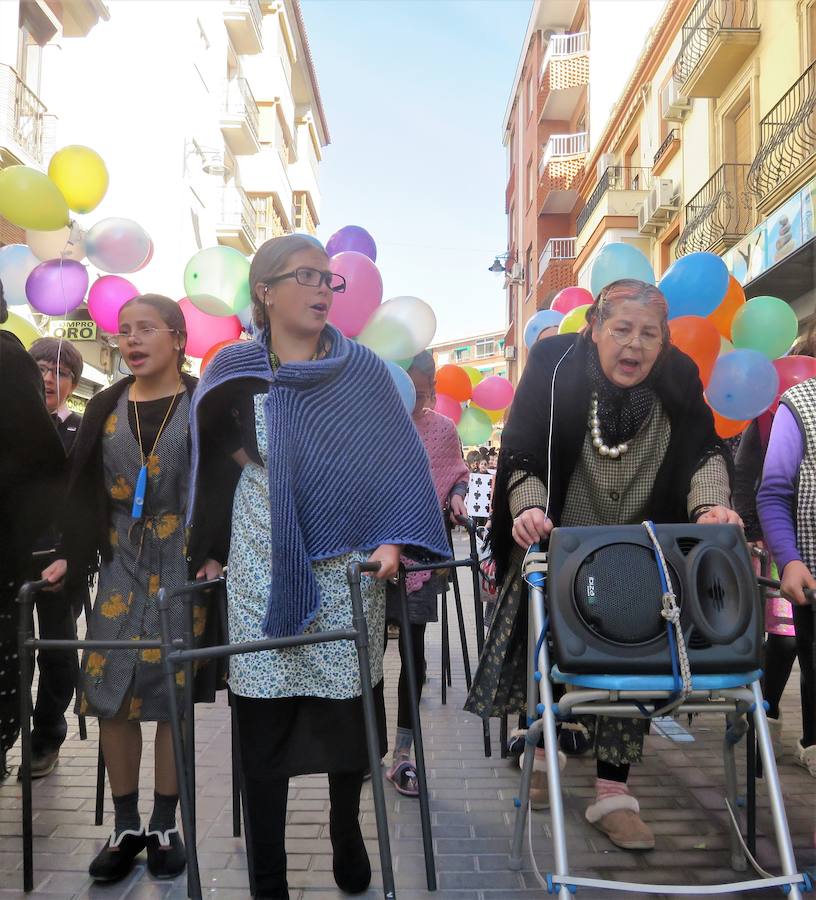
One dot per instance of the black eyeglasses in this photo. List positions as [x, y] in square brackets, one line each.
[309, 277]
[45, 369]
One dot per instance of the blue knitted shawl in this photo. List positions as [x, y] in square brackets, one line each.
[380, 493]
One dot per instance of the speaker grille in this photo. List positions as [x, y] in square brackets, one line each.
[618, 595]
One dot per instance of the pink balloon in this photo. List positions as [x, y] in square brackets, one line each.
[106, 297]
[493, 393]
[447, 406]
[148, 258]
[351, 309]
[205, 331]
[570, 298]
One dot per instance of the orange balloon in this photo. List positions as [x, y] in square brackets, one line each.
[699, 339]
[210, 354]
[728, 428]
[724, 314]
[455, 382]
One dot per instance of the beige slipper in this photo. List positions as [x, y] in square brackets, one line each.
[539, 792]
[618, 817]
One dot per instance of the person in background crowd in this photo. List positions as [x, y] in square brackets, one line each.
[450, 477]
[780, 643]
[786, 503]
[60, 365]
[483, 467]
[280, 405]
[630, 438]
[492, 460]
[32, 462]
[126, 503]
[473, 458]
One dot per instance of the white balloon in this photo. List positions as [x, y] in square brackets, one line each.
[65, 243]
[117, 245]
[399, 328]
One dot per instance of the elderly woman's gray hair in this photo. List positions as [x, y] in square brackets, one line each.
[271, 260]
[628, 289]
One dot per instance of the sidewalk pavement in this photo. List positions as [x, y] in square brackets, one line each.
[679, 786]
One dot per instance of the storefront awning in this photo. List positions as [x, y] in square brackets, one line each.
[790, 278]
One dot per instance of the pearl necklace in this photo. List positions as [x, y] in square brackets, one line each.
[595, 431]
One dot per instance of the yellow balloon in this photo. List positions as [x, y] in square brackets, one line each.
[574, 320]
[474, 375]
[495, 415]
[22, 328]
[81, 175]
[65, 243]
[30, 199]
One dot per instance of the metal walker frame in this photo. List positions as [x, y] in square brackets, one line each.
[738, 697]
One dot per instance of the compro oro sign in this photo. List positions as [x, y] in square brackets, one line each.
[70, 330]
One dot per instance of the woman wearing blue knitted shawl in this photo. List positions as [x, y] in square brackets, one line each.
[267, 421]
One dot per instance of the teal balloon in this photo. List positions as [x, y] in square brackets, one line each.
[618, 261]
[216, 280]
[765, 324]
[474, 427]
[404, 363]
[404, 385]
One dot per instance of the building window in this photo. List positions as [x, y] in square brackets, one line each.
[462, 354]
[485, 347]
[302, 217]
[269, 219]
[530, 183]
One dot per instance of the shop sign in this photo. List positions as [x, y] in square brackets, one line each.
[72, 329]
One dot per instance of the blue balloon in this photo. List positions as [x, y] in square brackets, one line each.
[695, 285]
[544, 318]
[618, 261]
[404, 385]
[17, 262]
[743, 385]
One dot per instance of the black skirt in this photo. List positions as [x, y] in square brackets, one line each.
[288, 736]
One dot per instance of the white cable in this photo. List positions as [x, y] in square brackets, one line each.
[536, 871]
[550, 429]
[757, 867]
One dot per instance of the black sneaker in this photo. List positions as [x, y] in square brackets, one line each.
[116, 858]
[42, 764]
[166, 857]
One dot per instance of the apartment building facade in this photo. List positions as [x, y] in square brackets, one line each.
[710, 145]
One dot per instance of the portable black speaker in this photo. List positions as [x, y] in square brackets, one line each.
[604, 598]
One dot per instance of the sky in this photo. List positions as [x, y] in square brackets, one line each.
[414, 94]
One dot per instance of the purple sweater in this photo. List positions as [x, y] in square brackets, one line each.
[776, 500]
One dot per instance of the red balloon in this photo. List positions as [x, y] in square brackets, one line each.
[205, 331]
[699, 339]
[211, 353]
[569, 298]
[792, 370]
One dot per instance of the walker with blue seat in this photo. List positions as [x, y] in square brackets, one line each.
[737, 695]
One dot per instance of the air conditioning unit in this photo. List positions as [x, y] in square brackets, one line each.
[516, 272]
[673, 105]
[605, 160]
[509, 352]
[657, 208]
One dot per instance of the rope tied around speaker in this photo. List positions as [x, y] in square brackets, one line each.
[681, 668]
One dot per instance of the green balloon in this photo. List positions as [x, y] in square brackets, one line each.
[216, 280]
[766, 324]
[404, 363]
[474, 427]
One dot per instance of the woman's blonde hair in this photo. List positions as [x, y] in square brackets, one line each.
[269, 261]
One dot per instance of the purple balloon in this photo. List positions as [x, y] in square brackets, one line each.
[352, 237]
[57, 286]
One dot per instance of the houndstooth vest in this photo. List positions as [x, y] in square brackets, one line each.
[801, 401]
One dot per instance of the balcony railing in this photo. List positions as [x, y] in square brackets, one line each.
[236, 212]
[615, 178]
[556, 249]
[787, 137]
[239, 101]
[561, 45]
[708, 22]
[720, 213]
[22, 115]
[673, 135]
[563, 145]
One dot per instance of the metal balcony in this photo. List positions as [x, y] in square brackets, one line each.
[244, 21]
[235, 219]
[666, 151]
[239, 118]
[564, 75]
[720, 213]
[562, 163]
[619, 193]
[26, 129]
[554, 269]
[787, 152]
[718, 36]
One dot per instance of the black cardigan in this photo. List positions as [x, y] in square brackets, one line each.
[524, 441]
[85, 523]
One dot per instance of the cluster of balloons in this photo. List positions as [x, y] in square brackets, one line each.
[47, 272]
[474, 402]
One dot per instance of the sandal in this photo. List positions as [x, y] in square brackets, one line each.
[403, 775]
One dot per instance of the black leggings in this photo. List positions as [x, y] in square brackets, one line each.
[780, 652]
[403, 695]
[803, 623]
[266, 815]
